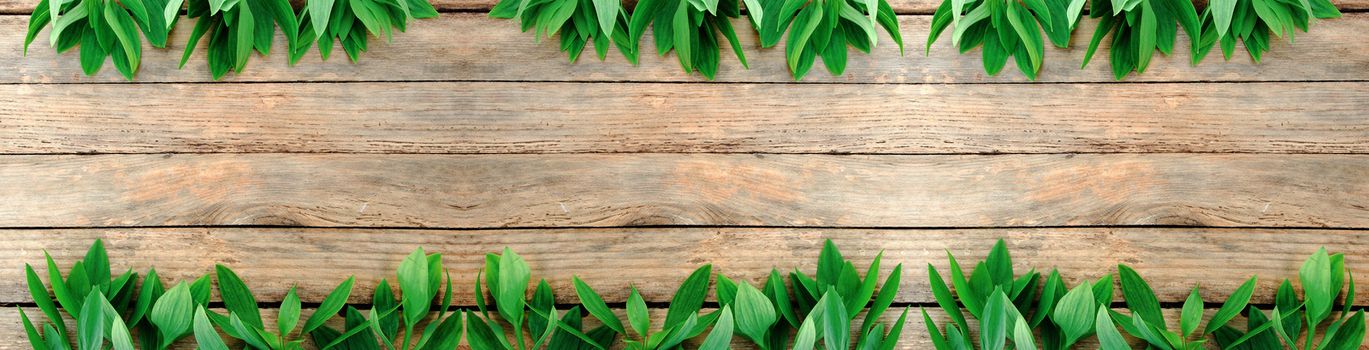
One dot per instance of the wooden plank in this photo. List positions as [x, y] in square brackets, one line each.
[914, 336]
[731, 118]
[1332, 51]
[272, 260]
[598, 190]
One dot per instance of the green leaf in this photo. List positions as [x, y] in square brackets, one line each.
[731, 35]
[1315, 276]
[1147, 31]
[236, 297]
[1350, 336]
[90, 325]
[721, 336]
[1022, 335]
[637, 313]
[92, 53]
[680, 27]
[34, 338]
[447, 334]
[993, 324]
[514, 276]
[42, 299]
[1104, 26]
[173, 313]
[245, 29]
[170, 13]
[1022, 22]
[596, 306]
[689, 297]
[205, 336]
[289, 313]
[1139, 297]
[755, 315]
[1074, 313]
[1192, 314]
[320, 12]
[607, 11]
[1232, 307]
[331, 305]
[887, 292]
[96, 260]
[807, 335]
[413, 284]
[38, 20]
[1108, 336]
[1074, 11]
[1222, 12]
[803, 27]
[895, 331]
[836, 325]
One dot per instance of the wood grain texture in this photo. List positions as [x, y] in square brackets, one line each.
[492, 118]
[486, 45]
[914, 336]
[594, 190]
[655, 260]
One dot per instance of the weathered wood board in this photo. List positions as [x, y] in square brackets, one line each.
[601, 190]
[669, 118]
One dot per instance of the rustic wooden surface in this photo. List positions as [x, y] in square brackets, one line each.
[594, 190]
[635, 175]
[474, 117]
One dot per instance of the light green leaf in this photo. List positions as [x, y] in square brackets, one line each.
[807, 335]
[836, 325]
[754, 313]
[331, 305]
[637, 313]
[596, 306]
[1074, 313]
[1192, 313]
[288, 316]
[413, 283]
[205, 335]
[1315, 276]
[514, 276]
[1022, 335]
[173, 313]
[1108, 336]
[721, 336]
[1232, 307]
[90, 326]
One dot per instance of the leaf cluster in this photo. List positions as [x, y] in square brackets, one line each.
[694, 29]
[1009, 316]
[1252, 21]
[102, 29]
[1007, 29]
[109, 308]
[232, 29]
[1011, 307]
